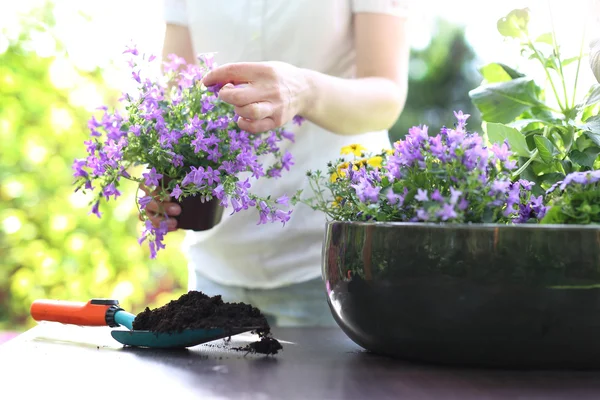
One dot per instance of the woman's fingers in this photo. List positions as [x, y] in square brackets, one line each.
[171, 209]
[156, 220]
[156, 210]
[240, 96]
[255, 111]
[259, 126]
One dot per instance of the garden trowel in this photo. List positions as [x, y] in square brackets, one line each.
[107, 312]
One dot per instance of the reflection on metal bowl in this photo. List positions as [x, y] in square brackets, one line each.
[520, 296]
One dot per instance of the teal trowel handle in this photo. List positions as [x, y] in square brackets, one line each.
[124, 318]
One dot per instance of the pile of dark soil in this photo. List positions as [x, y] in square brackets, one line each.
[196, 310]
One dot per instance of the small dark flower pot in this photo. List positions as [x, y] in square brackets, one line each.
[197, 215]
[524, 296]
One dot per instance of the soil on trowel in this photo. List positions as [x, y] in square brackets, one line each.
[196, 310]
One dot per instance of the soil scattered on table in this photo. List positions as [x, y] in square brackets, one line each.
[196, 310]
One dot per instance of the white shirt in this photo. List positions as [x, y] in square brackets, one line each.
[313, 34]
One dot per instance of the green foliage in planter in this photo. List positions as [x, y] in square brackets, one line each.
[576, 200]
[49, 246]
[550, 142]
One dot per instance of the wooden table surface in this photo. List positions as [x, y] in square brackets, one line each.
[69, 362]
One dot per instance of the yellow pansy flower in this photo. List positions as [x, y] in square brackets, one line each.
[375, 161]
[336, 203]
[341, 169]
[355, 149]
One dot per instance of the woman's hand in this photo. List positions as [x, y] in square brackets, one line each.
[156, 209]
[266, 95]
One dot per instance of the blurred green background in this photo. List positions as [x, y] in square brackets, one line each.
[51, 248]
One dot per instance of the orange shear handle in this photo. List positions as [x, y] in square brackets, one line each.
[92, 313]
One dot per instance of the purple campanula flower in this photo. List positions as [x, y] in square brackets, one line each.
[394, 198]
[437, 196]
[229, 167]
[151, 178]
[110, 190]
[366, 192]
[502, 151]
[264, 212]
[283, 216]
[510, 164]
[462, 118]
[212, 140]
[136, 76]
[421, 195]
[286, 160]
[213, 154]
[236, 205]
[96, 209]
[143, 201]
[499, 187]
[422, 215]
[208, 104]
[208, 60]
[283, 200]
[298, 120]
[219, 191]
[195, 177]
[274, 172]
[212, 175]
[135, 129]
[176, 159]
[288, 135]
[199, 143]
[454, 195]
[78, 166]
[131, 49]
[447, 212]
[176, 192]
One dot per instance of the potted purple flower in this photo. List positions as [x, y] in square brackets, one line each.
[452, 177]
[438, 250]
[175, 138]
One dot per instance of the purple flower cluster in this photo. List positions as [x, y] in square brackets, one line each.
[189, 141]
[450, 177]
[582, 178]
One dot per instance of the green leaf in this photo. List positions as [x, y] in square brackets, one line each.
[514, 24]
[514, 74]
[545, 148]
[504, 101]
[568, 61]
[583, 142]
[592, 128]
[545, 38]
[520, 124]
[498, 133]
[585, 158]
[498, 72]
[593, 96]
[494, 72]
[552, 62]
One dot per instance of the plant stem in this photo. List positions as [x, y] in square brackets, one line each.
[579, 60]
[557, 52]
[527, 163]
[541, 60]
